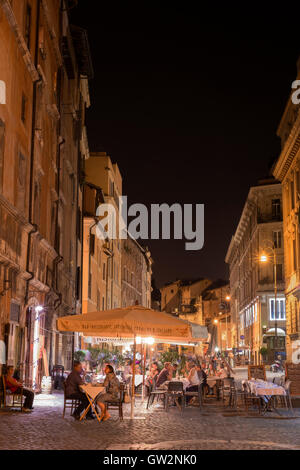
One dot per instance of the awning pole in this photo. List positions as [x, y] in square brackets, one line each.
[133, 379]
[144, 371]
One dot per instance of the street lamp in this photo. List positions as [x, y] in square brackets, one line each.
[264, 258]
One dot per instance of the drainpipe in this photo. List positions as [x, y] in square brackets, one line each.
[58, 302]
[34, 230]
[33, 122]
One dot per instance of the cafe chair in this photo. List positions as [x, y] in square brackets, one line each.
[70, 403]
[175, 391]
[117, 404]
[227, 390]
[155, 393]
[11, 399]
[286, 400]
[251, 399]
[198, 394]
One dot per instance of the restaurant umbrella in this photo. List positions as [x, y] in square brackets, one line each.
[128, 322]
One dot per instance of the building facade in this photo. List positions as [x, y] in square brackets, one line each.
[136, 274]
[287, 171]
[203, 302]
[252, 283]
[45, 66]
[101, 172]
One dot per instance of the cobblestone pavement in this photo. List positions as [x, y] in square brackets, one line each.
[212, 428]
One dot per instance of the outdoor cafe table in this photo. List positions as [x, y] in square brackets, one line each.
[91, 391]
[267, 391]
[214, 380]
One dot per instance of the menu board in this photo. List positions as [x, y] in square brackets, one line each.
[256, 372]
[292, 373]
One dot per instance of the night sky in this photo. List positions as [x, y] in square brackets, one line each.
[188, 106]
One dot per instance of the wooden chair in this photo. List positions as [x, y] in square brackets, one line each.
[175, 391]
[227, 390]
[118, 404]
[257, 372]
[17, 398]
[198, 394]
[70, 403]
[251, 399]
[155, 392]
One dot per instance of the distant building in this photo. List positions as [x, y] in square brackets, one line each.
[136, 274]
[204, 302]
[101, 172]
[252, 282]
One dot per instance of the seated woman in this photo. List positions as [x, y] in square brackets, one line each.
[15, 387]
[152, 376]
[112, 393]
[222, 372]
[127, 370]
[193, 379]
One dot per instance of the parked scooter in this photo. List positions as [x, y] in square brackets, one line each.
[276, 367]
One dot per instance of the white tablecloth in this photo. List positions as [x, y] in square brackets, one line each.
[92, 391]
[260, 387]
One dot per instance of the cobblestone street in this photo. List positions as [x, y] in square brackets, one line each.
[212, 428]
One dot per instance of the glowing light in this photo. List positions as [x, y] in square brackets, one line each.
[215, 321]
[217, 349]
[138, 340]
[227, 297]
[149, 340]
[39, 309]
[263, 258]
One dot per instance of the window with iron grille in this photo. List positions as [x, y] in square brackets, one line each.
[27, 28]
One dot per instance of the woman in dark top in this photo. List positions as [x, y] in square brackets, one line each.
[112, 393]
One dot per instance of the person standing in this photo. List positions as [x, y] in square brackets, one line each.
[16, 387]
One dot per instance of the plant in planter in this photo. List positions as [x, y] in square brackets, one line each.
[94, 354]
[79, 355]
[263, 352]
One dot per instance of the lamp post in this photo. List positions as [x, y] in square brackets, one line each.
[264, 259]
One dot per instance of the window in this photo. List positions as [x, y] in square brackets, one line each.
[27, 28]
[79, 224]
[103, 271]
[92, 244]
[279, 272]
[294, 255]
[292, 195]
[98, 299]
[280, 309]
[78, 283]
[277, 238]
[275, 208]
[90, 286]
[2, 135]
[23, 108]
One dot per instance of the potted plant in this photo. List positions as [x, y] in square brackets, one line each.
[263, 352]
[79, 355]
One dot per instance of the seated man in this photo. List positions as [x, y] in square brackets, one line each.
[15, 387]
[165, 374]
[73, 382]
